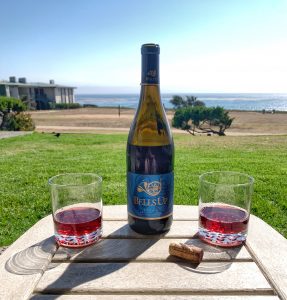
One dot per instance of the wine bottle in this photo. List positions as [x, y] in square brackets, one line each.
[150, 155]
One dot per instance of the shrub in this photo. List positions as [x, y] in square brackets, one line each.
[42, 105]
[24, 121]
[67, 105]
[202, 119]
[52, 105]
[9, 107]
[8, 104]
[18, 122]
[90, 105]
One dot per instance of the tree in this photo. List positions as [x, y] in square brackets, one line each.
[177, 102]
[11, 116]
[192, 101]
[180, 102]
[7, 106]
[201, 119]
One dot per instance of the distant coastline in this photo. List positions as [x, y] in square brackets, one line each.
[230, 101]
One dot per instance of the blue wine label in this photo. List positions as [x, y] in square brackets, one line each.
[150, 196]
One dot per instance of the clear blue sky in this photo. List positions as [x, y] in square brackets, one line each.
[206, 45]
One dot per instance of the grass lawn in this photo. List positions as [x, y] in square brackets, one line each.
[27, 162]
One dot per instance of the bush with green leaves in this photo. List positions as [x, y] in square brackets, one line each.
[20, 121]
[10, 108]
[201, 119]
[67, 105]
[8, 104]
[90, 105]
[24, 122]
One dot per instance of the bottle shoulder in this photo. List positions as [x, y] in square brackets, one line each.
[150, 130]
[150, 126]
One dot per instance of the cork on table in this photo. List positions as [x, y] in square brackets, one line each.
[126, 265]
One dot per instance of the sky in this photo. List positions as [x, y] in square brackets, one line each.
[206, 45]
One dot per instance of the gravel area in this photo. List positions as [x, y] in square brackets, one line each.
[7, 134]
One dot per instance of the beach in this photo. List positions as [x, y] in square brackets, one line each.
[107, 120]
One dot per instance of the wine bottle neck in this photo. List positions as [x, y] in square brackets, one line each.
[150, 69]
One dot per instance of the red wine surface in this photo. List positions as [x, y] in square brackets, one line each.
[224, 219]
[77, 221]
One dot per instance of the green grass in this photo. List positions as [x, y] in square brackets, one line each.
[27, 162]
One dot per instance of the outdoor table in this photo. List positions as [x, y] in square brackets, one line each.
[126, 265]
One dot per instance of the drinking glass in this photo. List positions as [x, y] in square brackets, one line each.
[224, 207]
[77, 208]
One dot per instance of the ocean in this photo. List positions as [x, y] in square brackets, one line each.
[255, 102]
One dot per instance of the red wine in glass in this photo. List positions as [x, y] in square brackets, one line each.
[78, 226]
[223, 225]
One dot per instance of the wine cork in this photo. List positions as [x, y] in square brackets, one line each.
[188, 252]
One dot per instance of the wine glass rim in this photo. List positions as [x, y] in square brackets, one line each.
[95, 179]
[249, 181]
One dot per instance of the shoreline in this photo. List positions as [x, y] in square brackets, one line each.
[228, 100]
[108, 120]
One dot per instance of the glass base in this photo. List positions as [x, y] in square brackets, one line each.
[75, 241]
[221, 239]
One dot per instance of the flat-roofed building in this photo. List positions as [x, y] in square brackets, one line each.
[38, 91]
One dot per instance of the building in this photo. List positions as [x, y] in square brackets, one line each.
[38, 92]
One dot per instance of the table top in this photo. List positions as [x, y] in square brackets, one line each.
[127, 265]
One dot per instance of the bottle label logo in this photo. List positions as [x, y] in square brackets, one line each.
[152, 189]
[150, 196]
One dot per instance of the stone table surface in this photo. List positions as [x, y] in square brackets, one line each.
[127, 265]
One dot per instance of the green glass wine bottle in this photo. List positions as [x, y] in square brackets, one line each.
[150, 155]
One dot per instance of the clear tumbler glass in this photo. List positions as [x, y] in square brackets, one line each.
[224, 207]
[77, 208]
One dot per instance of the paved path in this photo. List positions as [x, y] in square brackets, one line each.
[7, 134]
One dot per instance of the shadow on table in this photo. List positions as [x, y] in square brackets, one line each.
[215, 259]
[36, 259]
[116, 245]
[32, 260]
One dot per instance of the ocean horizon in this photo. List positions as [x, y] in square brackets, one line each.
[230, 101]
